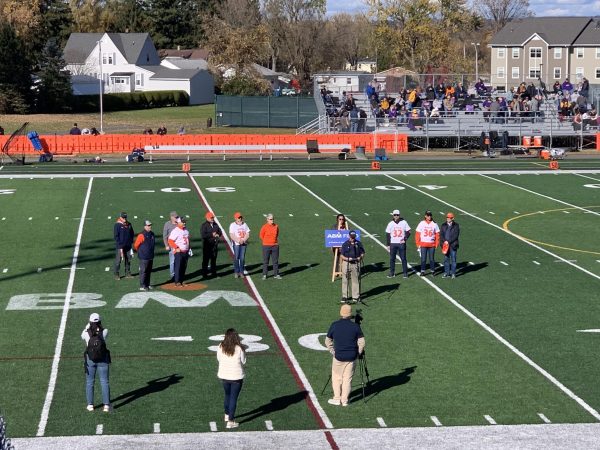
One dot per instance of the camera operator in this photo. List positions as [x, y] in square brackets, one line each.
[345, 341]
[352, 254]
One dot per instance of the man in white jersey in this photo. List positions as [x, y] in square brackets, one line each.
[179, 241]
[397, 233]
[239, 234]
[427, 238]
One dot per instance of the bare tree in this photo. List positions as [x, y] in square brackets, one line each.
[500, 12]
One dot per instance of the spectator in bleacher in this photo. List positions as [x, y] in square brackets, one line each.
[585, 87]
[577, 121]
[374, 102]
[403, 94]
[75, 131]
[587, 120]
[350, 103]
[556, 87]
[448, 104]
[434, 117]
[522, 89]
[345, 122]
[181, 130]
[162, 130]
[362, 123]
[460, 92]
[429, 92]
[393, 112]
[564, 108]
[354, 120]
[567, 87]
[370, 91]
[411, 99]
[534, 107]
[450, 90]
[440, 91]
[384, 105]
[414, 121]
[148, 131]
[94, 131]
[480, 88]
[437, 104]
[581, 102]
[494, 110]
[531, 90]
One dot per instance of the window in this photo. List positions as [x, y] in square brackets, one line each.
[597, 73]
[535, 52]
[557, 73]
[500, 53]
[108, 58]
[557, 53]
[579, 52]
[579, 73]
[516, 52]
[534, 72]
[597, 52]
[348, 80]
[515, 73]
[500, 72]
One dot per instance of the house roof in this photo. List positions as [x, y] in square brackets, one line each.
[591, 34]
[174, 74]
[194, 53]
[554, 30]
[182, 63]
[80, 45]
[121, 74]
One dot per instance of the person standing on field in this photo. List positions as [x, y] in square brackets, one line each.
[231, 356]
[211, 235]
[427, 238]
[144, 246]
[96, 359]
[397, 233]
[179, 241]
[269, 235]
[239, 234]
[169, 226]
[123, 235]
[449, 232]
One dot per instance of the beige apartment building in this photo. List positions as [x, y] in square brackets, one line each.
[553, 48]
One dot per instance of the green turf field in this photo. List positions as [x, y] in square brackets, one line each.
[513, 337]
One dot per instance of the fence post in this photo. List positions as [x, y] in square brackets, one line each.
[297, 111]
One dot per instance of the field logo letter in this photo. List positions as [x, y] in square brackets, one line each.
[30, 302]
[139, 299]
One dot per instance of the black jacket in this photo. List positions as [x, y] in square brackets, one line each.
[207, 230]
[123, 235]
[454, 233]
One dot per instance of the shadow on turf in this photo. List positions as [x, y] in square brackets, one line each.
[463, 268]
[152, 387]
[380, 290]
[381, 384]
[276, 404]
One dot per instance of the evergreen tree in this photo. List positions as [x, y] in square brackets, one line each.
[15, 73]
[57, 21]
[125, 16]
[54, 86]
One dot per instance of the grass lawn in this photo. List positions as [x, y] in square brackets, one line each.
[193, 118]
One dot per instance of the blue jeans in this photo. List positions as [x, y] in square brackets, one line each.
[172, 263]
[450, 262]
[239, 253]
[102, 369]
[398, 249]
[427, 252]
[232, 390]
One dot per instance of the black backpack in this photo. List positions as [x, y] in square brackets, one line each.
[96, 348]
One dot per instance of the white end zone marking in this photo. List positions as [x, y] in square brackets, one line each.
[300, 373]
[436, 421]
[490, 419]
[473, 317]
[544, 418]
[174, 338]
[99, 428]
[213, 426]
[157, 427]
[269, 425]
[381, 422]
[63, 320]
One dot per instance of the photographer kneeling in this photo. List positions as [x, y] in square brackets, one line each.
[345, 342]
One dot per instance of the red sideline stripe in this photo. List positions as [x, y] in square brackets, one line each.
[307, 398]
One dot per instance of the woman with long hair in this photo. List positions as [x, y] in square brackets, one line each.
[231, 355]
[96, 359]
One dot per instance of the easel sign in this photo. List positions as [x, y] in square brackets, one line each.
[334, 239]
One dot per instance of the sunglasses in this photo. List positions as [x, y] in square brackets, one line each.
[396, 215]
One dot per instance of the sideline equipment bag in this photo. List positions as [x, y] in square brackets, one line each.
[96, 348]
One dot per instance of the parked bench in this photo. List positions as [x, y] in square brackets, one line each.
[261, 149]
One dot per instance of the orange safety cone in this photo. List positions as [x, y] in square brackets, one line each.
[186, 167]
[375, 165]
[554, 165]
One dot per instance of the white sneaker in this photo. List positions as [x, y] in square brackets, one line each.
[277, 277]
[90, 407]
[333, 401]
[232, 424]
[226, 418]
[345, 404]
[106, 408]
[264, 277]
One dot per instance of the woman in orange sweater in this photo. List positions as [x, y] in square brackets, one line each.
[269, 235]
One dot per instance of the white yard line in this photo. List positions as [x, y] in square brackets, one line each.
[544, 418]
[585, 176]
[476, 319]
[490, 419]
[436, 421]
[286, 348]
[474, 216]
[269, 425]
[381, 422]
[542, 195]
[63, 321]
[213, 426]
[157, 427]
[99, 429]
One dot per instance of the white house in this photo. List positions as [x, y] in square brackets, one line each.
[343, 81]
[129, 62]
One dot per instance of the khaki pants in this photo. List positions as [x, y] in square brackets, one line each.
[350, 270]
[341, 379]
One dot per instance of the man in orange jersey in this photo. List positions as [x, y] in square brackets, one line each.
[269, 235]
[427, 239]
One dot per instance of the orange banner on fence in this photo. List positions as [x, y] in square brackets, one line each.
[598, 141]
[124, 143]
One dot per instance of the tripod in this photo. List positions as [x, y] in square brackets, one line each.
[364, 372]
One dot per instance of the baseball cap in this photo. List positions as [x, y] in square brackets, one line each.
[94, 317]
[269, 216]
[346, 311]
[450, 215]
[428, 213]
[123, 215]
[209, 215]
[396, 212]
[147, 222]
[352, 233]
[181, 220]
[237, 215]
[173, 214]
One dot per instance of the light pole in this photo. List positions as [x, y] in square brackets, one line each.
[101, 87]
[476, 44]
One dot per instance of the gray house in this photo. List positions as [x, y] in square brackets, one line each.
[129, 62]
[553, 48]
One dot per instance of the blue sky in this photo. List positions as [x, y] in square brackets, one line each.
[539, 7]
